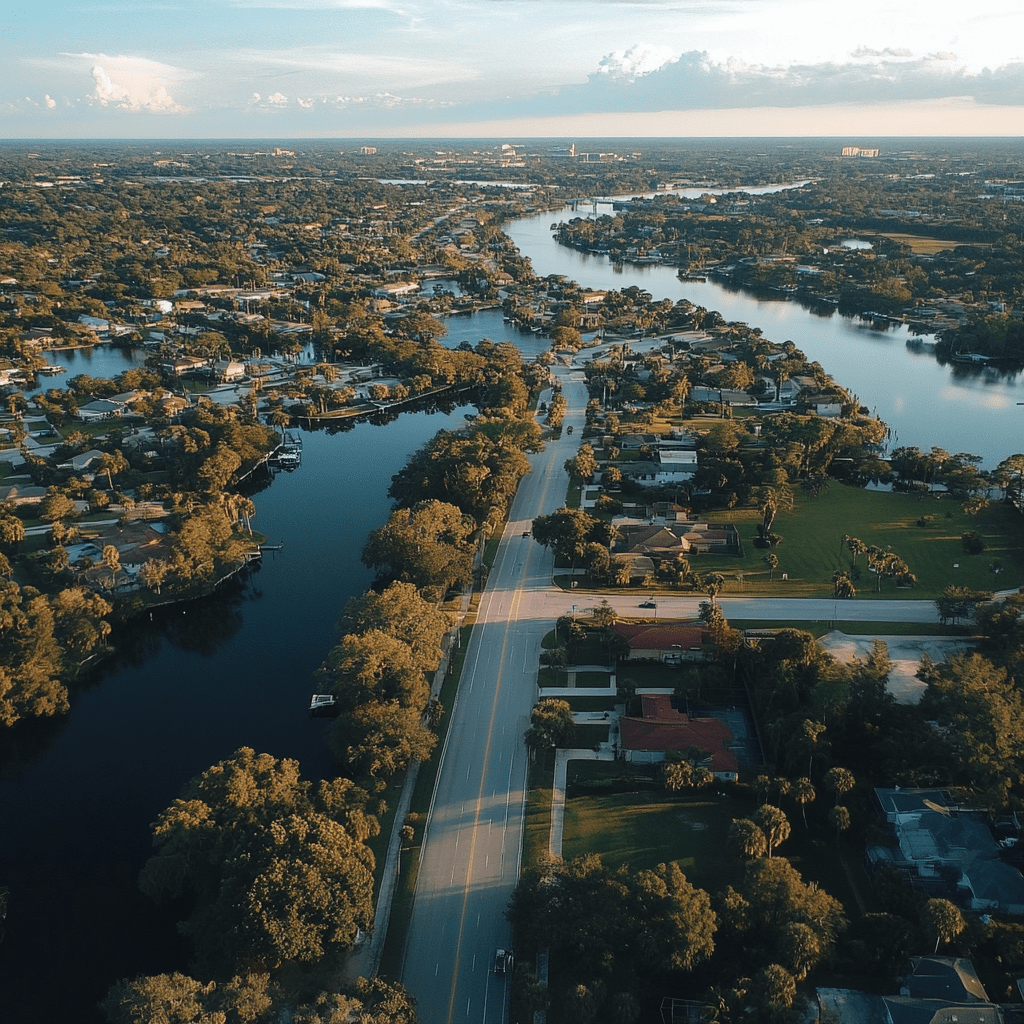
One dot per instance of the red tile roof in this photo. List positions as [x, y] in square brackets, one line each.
[664, 728]
[660, 636]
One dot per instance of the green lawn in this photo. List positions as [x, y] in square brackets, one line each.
[812, 550]
[593, 679]
[648, 828]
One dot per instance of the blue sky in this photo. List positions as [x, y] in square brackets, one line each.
[376, 68]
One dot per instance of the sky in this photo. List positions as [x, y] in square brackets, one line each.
[495, 68]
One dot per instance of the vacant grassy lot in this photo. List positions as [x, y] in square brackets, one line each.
[645, 829]
[648, 827]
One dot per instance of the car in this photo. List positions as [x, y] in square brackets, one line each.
[648, 604]
[526, 533]
[502, 961]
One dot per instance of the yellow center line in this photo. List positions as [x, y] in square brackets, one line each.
[513, 612]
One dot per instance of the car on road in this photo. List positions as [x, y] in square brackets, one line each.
[502, 961]
[648, 604]
[526, 533]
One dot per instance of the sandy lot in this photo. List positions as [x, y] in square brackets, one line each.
[905, 652]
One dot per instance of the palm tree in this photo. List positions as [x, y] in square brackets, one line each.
[857, 547]
[803, 794]
[772, 561]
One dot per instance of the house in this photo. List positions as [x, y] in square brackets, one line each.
[82, 461]
[669, 539]
[947, 851]
[662, 728]
[181, 365]
[397, 290]
[668, 642]
[100, 409]
[22, 494]
[227, 370]
[933, 990]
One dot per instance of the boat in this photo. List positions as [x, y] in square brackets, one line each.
[323, 705]
[287, 459]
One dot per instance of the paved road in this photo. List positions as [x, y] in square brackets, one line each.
[470, 859]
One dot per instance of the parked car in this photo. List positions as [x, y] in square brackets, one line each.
[503, 961]
[648, 604]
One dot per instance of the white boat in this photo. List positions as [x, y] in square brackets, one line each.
[323, 705]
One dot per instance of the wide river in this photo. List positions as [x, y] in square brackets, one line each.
[195, 683]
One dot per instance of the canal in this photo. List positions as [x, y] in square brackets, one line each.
[193, 684]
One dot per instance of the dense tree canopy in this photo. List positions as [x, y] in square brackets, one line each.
[278, 871]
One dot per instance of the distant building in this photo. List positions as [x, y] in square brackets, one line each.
[857, 151]
[563, 152]
[367, 150]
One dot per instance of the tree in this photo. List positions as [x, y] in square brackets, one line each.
[276, 870]
[981, 714]
[840, 781]
[772, 561]
[402, 613]
[112, 560]
[803, 794]
[746, 837]
[566, 531]
[380, 737]
[857, 547]
[583, 466]
[943, 918]
[775, 987]
[428, 544]
[843, 585]
[960, 602]
[774, 824]
[551, 725]
[681, 923]
[840, 817]
[676, 775]
[57, 505]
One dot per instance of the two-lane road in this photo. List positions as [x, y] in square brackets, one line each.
[470, 859]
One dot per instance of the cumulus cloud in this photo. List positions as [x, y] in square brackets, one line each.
[305, 102]
[134, 83]
[639, 60]
[277, 99]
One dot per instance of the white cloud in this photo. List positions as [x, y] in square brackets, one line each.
[639, 60]
[50, 101]
[277, 100]
[305, 102]
[135, 83]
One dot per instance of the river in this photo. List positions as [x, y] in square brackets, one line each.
[195, 683]
[956, 407]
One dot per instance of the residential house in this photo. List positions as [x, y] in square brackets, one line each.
[179, 366]
[22, 493]
[100, 409]
[225, 370]
[82, 461]
[933, 990]
[669, 539]
[948, 851]
[661, 728]
[668, 642]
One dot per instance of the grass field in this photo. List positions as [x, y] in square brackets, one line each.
[922, 243]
